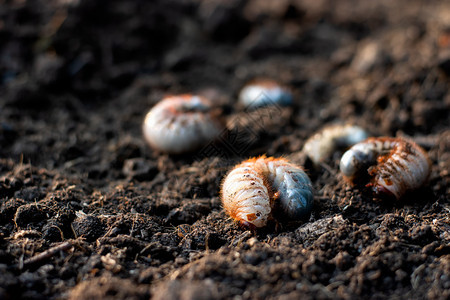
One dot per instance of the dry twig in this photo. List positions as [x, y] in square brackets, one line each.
[39, 258]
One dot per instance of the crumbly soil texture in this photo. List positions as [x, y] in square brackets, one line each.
[89, 211]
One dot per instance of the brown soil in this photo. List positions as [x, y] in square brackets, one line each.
[124, 221]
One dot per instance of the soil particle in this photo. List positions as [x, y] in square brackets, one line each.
[444, 62]
[312, 231]
[52, 233]
[368, 55]
[30, 215]
[48, 70]
[139, 169]
[422, 234]
[9, 208]
[188, 213]
[109, 287]
[186, 290]
[88, 227]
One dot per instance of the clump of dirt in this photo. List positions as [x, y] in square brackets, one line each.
[89, 211]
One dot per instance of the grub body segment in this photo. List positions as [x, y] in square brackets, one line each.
[321, 145]
[255, 189]
[181, 123]
[394, 165]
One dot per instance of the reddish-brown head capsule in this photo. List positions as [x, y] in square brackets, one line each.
[394, 165]
[258, 186]
[181, 123]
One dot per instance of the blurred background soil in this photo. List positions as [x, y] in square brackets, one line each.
[124, 221]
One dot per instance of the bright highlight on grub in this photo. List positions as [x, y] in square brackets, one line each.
[264, 92]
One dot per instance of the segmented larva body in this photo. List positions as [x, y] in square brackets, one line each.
[255, 189]
[321, 146]
[181, 123]
[396, 165]
[264, 92]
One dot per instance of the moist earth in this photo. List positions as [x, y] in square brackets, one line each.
[89, 211]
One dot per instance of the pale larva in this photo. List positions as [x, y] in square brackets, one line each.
[260, 188]
[321, 146]
[264, 92]
[394, 165]
[181, 123]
